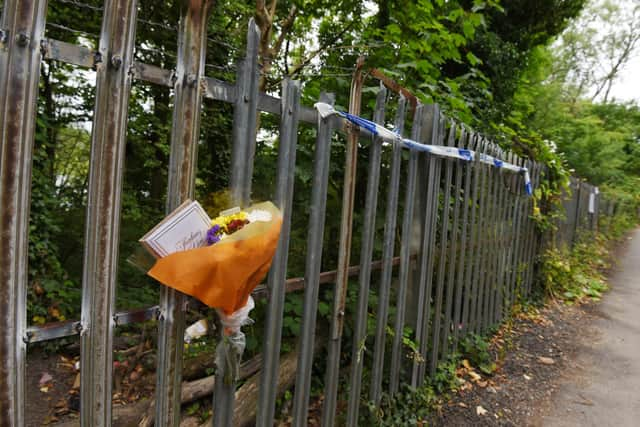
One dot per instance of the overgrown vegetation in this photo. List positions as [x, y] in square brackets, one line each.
[415, 405]
[574, 274]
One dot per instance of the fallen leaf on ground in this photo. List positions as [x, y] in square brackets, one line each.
[76, 382]
[462, 404]
[480, 410]
[466, 364]
[474, 376]
[527, 377]
[45, 378]
[482, 384]
[546, 360]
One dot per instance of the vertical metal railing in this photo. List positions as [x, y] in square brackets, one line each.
[108, 140]
[185, 134]
[442, 259]
[405, 255]
[451, 286]
[22, 28]
[313, 266]
[366, 256]
[469, 269]
[344, 253]
[244, 145]
[428, 235]
[278, 274]
[388, 246]
[462, 291]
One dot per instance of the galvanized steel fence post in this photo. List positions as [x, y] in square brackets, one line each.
[368, 232]
[405, 256]
[22, 28]
[244, 145]
[277, 276]
[185, 134]
[344, 253]
[313, 265]
[388, 246]
[103, 210]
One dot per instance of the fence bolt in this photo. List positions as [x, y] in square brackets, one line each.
[191, 80]
[44, 47]
[27, 337]
[3, 36]
[22, 39]
[116, 61]
[97, 59]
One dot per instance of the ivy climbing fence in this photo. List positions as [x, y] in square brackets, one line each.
[455, 237]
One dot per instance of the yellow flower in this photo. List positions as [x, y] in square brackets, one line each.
[223, 221]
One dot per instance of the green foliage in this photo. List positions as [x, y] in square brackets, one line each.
[577, 274]
[475, 348]
[413, 406]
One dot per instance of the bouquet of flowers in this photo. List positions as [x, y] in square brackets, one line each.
[238, 247]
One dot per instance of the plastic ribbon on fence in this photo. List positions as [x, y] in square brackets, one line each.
[326, 110]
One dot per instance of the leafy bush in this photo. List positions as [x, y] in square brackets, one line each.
[475, 348]
[576, 274]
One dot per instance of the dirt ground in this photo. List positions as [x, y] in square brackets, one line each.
[538, 352]
[560, 367]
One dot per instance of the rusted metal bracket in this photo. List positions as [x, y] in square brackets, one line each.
[394, 86]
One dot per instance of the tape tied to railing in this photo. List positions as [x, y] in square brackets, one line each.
[394, 137]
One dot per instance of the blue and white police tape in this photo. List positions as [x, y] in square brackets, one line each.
[326, 110]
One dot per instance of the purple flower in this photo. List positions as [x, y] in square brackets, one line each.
[213, 235]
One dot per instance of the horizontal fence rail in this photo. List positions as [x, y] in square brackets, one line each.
[458, 241]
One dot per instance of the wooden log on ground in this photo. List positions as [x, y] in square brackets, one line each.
[246, 397]
[194, 390]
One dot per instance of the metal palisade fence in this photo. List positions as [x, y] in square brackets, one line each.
[458, 243]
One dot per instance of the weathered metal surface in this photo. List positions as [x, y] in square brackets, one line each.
[245, 119]
[394, 86]
[469, 283]
[108, 140]
[56, 330]
[278, 274]
[462, 292]
[366, 254]
[344, 253]
[426, 266]
[405, 256]
[69, 53]
[185, 133]
[479, 200]
[312, 266]
[453, 248]
[23, 25]
[388, 245]
[442, 259]
[153, 74]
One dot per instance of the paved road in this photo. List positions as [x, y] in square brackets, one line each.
[606, 389]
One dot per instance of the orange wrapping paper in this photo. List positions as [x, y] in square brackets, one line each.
[224, 275]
